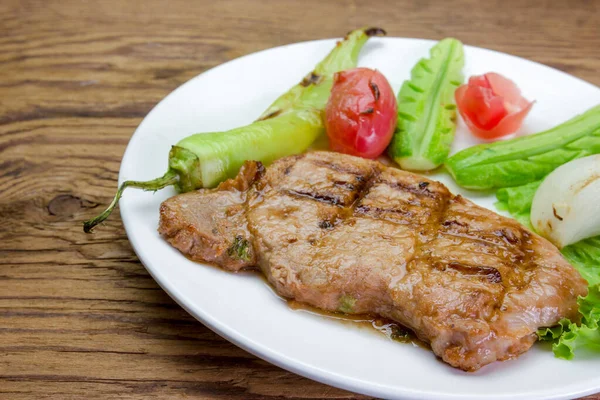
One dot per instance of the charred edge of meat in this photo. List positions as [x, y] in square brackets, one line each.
[323, 198]
[375, 90]
[250, 173]
[271, 115]
[369, 110]
[240, 249]
[311, 79]
[374, 31]
[489, 273]
[260, 171]
[423, 185]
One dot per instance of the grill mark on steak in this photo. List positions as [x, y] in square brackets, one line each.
[523, 256]
[480, 237]
[323, 198]
[419, 189]
[346, 185]
[376, 211]
[345, 169]
[349, 191]
[326, 226]
[453, 223]
[486, 243]
[489, 273]
[364, 187]
[508, 235]
[503, 238]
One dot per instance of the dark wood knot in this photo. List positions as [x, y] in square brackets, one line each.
[66, 205]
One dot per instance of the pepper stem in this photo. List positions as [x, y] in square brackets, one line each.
[168, 179]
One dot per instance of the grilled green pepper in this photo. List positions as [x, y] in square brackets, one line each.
[314, 89]
[526, 159]
[426, 110]
[288, 127]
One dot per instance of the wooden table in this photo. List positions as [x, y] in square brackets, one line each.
[79, 315]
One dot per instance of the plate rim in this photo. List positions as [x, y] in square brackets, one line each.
[291, 364]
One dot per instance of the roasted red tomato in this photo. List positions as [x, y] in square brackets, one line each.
[360, 116]
[491, 105]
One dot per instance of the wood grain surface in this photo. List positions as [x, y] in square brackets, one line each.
[79, 315]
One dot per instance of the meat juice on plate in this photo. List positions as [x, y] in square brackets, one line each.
[392, 330]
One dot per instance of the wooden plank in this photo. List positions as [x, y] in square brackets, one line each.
[79, 316]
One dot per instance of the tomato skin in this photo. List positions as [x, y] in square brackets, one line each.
[361, 114]
[491, 105]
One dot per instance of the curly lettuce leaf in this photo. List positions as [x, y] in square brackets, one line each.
[589, 306]
[576, 337]
[554, 332]
[585, 257]
[587, 334]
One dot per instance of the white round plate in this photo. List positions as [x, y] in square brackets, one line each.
[243, 309]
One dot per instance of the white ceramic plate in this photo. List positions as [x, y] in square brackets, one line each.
[244, 310]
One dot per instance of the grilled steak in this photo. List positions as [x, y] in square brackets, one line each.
[346, 234]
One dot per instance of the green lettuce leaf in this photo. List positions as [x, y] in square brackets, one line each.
[587, 334]
[585, 257]
[517, 201]
[426, 109]
[555, 332]
[528, 158]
